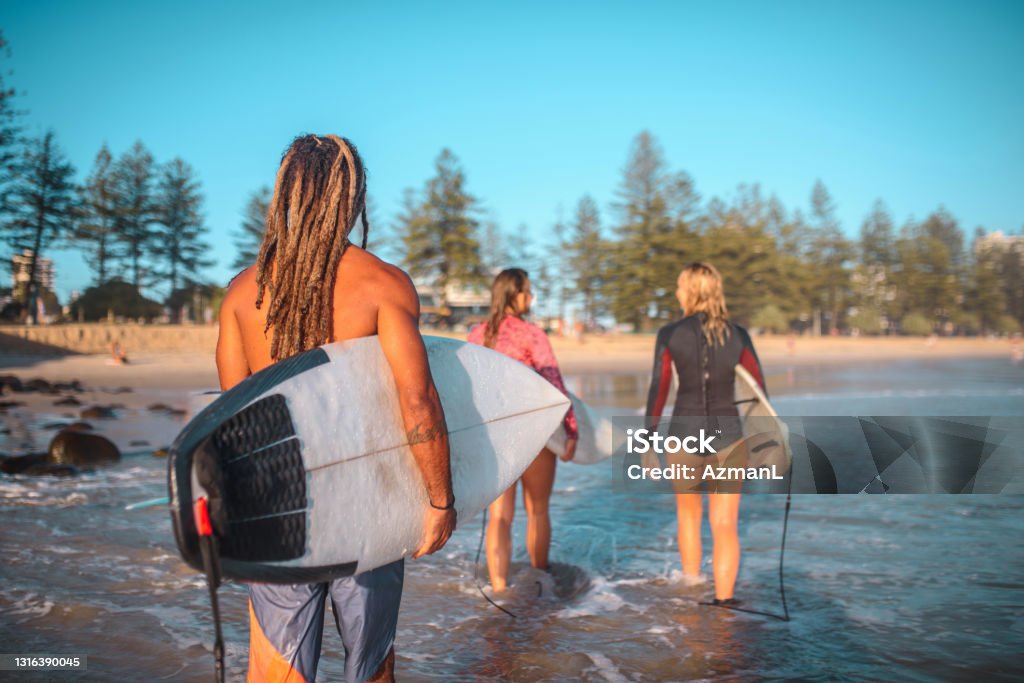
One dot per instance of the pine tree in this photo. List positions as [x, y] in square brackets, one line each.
[654, 235]
[439, 232]
[985, 296]
[379, 240]
[585, 250]
[492, 249]
[738, 242]
[177, 243]
[929, 275]
[10, 132]
[519, 252]
[831, 256]
[254, 224]
[42, 204]
[794, 286]
[1012, 275]
[96, 228]
[134, 175]
[872, 279]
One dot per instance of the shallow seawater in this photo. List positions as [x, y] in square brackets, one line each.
[906, 588]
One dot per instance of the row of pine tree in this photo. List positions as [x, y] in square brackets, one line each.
[141, 225]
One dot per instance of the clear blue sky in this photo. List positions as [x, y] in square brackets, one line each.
[918, 103]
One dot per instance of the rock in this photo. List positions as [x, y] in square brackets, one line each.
[4, 405]
[159, 408]
[98, 412]
[161, 453]
[139, 443]
[50, 426]
[19, 463]
[73, 385]
[67, 401]
[51, 470]
[82, 450]
[39, 385]
[121, 390]
[10, 383]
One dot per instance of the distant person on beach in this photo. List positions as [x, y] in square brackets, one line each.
[704, 347]
[506, 331]
[118, 354]
[310, 286]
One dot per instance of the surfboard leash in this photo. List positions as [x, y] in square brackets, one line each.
[476, 568]
[211, 567]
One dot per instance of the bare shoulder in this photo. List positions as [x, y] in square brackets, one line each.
[390, 284]
[241, 288]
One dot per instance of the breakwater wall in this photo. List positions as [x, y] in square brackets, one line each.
[99, 337]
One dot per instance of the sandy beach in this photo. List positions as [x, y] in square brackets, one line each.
[182, 357]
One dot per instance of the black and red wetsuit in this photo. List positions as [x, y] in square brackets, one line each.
[706, 372]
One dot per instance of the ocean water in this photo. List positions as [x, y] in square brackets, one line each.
[895, 588]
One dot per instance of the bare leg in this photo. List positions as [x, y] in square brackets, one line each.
[538, 479]
[723, 513]
[499, 537]
[386, 672]
[689, 510]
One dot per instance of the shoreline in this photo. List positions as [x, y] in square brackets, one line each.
[183, 357]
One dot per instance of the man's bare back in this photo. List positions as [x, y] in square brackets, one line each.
[371, 297]
[364, 286]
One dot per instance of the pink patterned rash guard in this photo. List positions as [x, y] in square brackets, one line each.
[528, 344]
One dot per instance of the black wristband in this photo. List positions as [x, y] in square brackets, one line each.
[449, 506]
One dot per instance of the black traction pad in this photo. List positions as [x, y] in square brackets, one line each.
[251, 466]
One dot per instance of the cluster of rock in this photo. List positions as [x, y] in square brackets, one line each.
[75, 448]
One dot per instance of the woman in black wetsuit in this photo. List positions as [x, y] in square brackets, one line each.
[704, 347]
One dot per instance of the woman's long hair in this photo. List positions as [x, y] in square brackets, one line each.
[319, 193]
[508, 284]
[701, 291]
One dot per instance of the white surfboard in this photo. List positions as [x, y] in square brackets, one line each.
[316, 477]
[596, 436]
[765, 435]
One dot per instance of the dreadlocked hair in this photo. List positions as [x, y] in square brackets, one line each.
[319, 193]
[701, 291]
[508, 284]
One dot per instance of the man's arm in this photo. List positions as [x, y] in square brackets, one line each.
[232, 366]
[398, 330]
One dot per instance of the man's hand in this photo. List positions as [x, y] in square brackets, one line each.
[570, 450]
[438, 526]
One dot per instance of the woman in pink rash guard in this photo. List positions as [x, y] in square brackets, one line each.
[506, 332]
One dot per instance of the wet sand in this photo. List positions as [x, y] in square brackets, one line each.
[193, 367]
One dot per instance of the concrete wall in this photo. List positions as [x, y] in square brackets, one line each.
[98, 337]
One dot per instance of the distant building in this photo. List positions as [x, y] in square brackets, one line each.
[466, 305]
[998, 241]
[21, 264]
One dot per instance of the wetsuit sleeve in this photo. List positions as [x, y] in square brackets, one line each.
[542, 358]
[661, 376]
[750, 361]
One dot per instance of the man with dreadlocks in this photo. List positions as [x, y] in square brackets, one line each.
[310, 286]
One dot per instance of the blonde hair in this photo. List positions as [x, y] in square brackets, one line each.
[701, 291]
